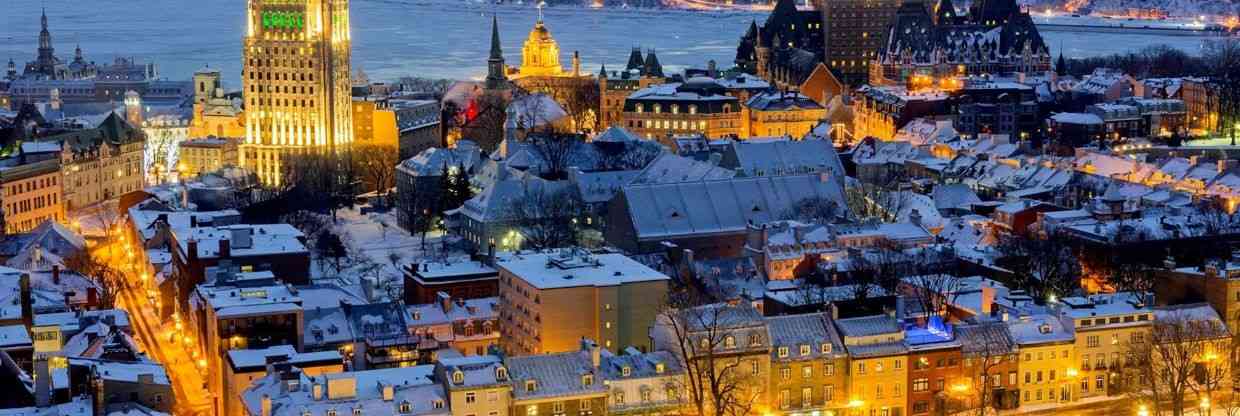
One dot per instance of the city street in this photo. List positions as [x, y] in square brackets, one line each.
[156, 335]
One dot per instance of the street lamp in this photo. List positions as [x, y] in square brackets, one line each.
[1143, 411]
[1205, 405]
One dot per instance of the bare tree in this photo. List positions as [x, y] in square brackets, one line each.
[107, 279]
[987, 351]
[934, 292]
[715, 345]
[556, 150]
[634, 156]
[813, 210]
[1184, 355]
[545, 214]
[1042, 267]
[376, 165]
[883, 266]
[319, 179]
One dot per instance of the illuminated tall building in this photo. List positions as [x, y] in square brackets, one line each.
[296, 81]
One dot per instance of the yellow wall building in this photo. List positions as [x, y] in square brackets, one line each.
[374, 124]
[198, 156]
[296, 81]
[780, 114]
[1048, 371]
[878, 360]
[1106, 325]
[549, 301]
[32, 194]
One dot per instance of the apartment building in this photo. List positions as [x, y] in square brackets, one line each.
[550, 300]
[1106, 326]
[878, 358]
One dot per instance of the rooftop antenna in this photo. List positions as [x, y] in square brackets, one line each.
[540, 6]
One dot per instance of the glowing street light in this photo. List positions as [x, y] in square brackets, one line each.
[1143, 411]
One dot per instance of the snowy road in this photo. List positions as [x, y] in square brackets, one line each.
[435, 38]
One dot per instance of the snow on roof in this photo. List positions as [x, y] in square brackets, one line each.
[868, 326]
[476, 371]
[458, 310]
[553, 375]
[563, 268]
[178, 221]
[250, 240]
[414, 386]
[721, 206]
[14, 336]
[130, 372]
[433, 161]
[599, 187]
[670, 168]
[782, 157]
[1039, 329]
[533, 110]
[796, 331]
[616, 134]
[79, 405]
[259, 358]
[953, 196]
[1105, 305]
[233, 300]
[1076, 118]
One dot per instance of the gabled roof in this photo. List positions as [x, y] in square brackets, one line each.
[721, 206]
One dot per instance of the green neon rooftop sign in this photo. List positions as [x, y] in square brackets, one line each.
[283, 20]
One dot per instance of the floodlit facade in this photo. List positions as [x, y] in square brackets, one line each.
[296, 81]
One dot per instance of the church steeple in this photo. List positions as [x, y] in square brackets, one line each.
[45, 36]
[497, 76]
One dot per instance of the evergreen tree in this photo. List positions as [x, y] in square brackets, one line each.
[1061, 65]
[461, 191]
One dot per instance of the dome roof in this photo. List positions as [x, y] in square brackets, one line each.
[540, 33]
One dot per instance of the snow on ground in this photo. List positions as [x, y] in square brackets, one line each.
[377, 238]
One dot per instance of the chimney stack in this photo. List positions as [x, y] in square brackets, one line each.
[56, 274]
[445, 301]
[193, 221]
[27, 300]
[225, 248]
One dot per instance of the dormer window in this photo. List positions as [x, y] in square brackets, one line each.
[587, 380]
[501, 373]
[331, 412]
[805, 350]
[406, 407]
[531, 386]
[357, 411]
[705, 343]
[626, 371]
[438, 404]
[658, 368]
[783, 352]
[729, 342]
[458, 377]
[755, 340]
[826, 348]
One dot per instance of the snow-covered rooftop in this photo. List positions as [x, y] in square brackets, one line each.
[565, 268]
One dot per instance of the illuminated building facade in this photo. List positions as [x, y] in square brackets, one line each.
[296, 81]
[540, 57]
[995, 37]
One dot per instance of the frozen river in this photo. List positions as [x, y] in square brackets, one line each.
[431, 38]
